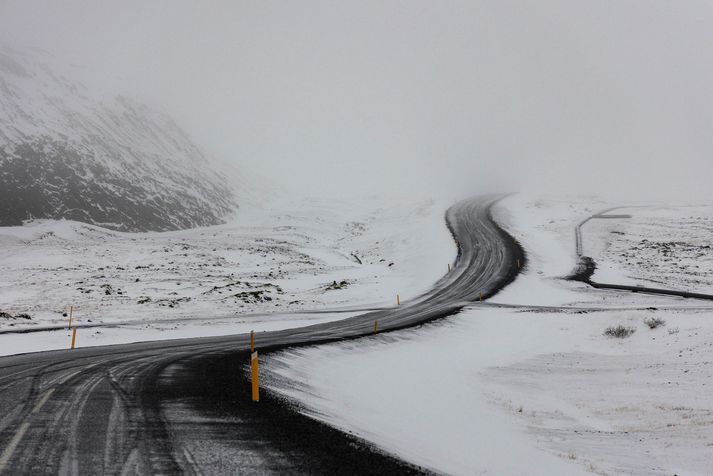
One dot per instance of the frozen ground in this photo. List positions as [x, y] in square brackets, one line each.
[529, 390]
[256, 272]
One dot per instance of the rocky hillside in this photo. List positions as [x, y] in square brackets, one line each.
[68, 152]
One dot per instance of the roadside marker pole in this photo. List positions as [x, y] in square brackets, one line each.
[481, 296]
[518, 263]
[74, 336]
[71, 308]
[449, 267]
[252, 341]
[255, 377]
[398, 300]
[376, 327]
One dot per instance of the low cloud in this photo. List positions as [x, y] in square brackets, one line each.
[614, 97]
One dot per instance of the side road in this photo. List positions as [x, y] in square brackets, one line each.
[586, 266]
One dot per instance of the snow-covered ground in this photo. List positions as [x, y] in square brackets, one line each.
[505, 387]
[500, 390]
[257, 272]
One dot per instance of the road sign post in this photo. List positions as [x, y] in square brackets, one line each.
[255, 377]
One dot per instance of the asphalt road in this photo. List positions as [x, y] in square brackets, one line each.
[183, 406]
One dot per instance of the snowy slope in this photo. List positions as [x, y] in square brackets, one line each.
[70, 152]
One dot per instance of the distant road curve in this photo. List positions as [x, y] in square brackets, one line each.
[587, 266]
[182, 406]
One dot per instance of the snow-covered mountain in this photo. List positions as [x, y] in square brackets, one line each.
[70, 152]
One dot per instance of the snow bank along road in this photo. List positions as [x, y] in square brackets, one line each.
[183, 406]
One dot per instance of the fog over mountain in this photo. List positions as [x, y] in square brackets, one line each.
[612, 96]
[69, 152]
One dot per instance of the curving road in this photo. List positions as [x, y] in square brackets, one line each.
[183, 406]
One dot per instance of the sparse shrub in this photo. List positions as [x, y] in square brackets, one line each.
[654, 322]
[337, 285]
[6, 315]
[673, 330]
[619, 331]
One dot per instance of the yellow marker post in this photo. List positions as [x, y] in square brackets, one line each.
[255, 377]
[74, 336]
[252, 341]
[71, 308]
[449, 267]
[398, 300]
[376, 327]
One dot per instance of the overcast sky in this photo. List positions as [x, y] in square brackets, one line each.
[340, 97]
